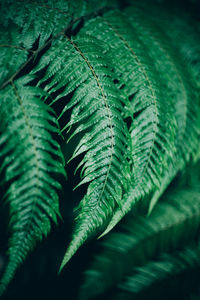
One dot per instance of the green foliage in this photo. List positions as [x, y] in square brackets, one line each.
[115, 89]
[158, 271]
[104, 135]
[31, 163]
[145, 250]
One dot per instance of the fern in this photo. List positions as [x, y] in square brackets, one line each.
[28, 26]
[179, 87]
[104, 139]
[23, 23]
[159, 271]
[172, 224]
[116, 89]
[179, 23]
[31, 163]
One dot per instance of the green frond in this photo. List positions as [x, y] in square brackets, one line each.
[151, 108]
[119, 83]
[182, 31]
[181, 95]
[79, 67]
[173, 223]
[32, 163]
[13, 54]
[36, 19]
[24, 24]
[26, 28]
[158, 272]
[181, 88]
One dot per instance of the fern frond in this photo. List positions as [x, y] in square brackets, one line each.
[79, 67]
[185, 94]
[181, 94]
[151, 108]
[36, 20]
[158, 272]
[174, 23]
[13, 54]
[173, 223]
[32, 164]
[181, 87]
[28, 26]
[189, 44]
[124, 85]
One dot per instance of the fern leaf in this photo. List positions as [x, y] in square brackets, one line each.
[179, 88]
[27, 27]
[36, 20]
[154, 129]
[13, 54]
[125, 88]
[159, 271]
[79, 67]
[188, 44]
[182, 88]
[172, 224]
[32, 164]
[174, 24]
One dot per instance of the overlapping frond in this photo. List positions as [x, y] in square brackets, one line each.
[26, 27]
[153, 99]
[31, 165]
[181, 87]
[78, 66]
[124, 86]
[174, 25]
[150, 107]
[173, 223]
[158, 272]
[23, 24]
[181, 97]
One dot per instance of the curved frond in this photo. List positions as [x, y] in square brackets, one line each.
[151, 108]
[119, 81]
[31, 164]
[158, 272]
[79, 67]
[173, 223]
[181, 95]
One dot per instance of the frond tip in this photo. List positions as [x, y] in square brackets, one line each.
[97, 107]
